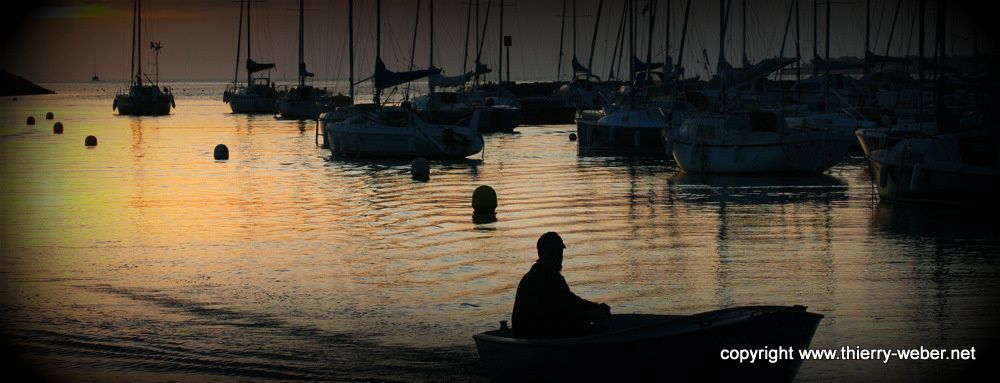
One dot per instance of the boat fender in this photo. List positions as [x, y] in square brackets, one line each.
[915, 177]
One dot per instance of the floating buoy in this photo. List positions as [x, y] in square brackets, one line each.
[57, 128]
[221, 152]
[572, 136]
[484, 200]
[31, 120]
[49, 116]
[420, 169]
[90, 141]
[483, 218]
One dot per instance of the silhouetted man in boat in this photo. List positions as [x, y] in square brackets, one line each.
[545, 307]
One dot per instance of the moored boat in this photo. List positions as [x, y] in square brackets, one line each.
[658, 348]
[752, 142]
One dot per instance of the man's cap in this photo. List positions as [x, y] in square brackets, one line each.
[550, 240]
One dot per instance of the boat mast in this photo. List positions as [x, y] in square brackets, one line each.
[868, 29]
[745, 62]
[239, 36]
[722, 54]
[815, 36]
[249, 73]
[138, 42]
[499, 50]
[920, 63]
[593, 40]
[302, 60]
[619, 45]
[430, 54]
[631, 58]
[468, 22]
[574, 30]
[684, 29]
[378, 43]
[350, 34]
[413, 48]
[939, 102]
[562, 33]
[482, 40]
[666, 47]
[649, 38]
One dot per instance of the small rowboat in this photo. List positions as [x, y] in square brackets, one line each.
[640, 347]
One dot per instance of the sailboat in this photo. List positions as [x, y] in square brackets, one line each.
[142, 99]
[95, 78]
[303, 101]
[377, 130]
[258, 95]
[496, 112]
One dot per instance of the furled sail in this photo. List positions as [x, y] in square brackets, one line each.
[579, 68]
[256, 67]
[641, 66]
[303, 71]
[385, 78]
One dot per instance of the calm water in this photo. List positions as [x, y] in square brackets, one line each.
[145, 259]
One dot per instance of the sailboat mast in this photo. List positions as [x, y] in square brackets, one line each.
[135, 11]
[350, 34]
[138, 42]
[722, 54]
[302, 59]
[562, 33]
[868, 30]
[239, 36]
[744, 33]
[593, 40]
[574, 29]
[468, 23]
[920, 63]
[249, 74]
[500, 49]
[684, 29]
[649, 37]
[666, 42]
[378, 43]
[815, 35]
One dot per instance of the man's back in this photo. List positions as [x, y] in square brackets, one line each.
[545, 307]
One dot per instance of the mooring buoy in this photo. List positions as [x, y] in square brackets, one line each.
[572, 136]
[57, 128]
[90, 141]
[49, 116]
[31, 120]
[484, 200]
[221, 152]
[420, 169]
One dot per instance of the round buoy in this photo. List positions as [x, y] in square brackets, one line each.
[31, 120]
[484, 200]
[483, 218]
[57, 128]
[221, 152]
[49, 116]
[90, 141]
[420, 169]
[572, 136]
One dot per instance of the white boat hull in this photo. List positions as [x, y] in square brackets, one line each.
[802, 153]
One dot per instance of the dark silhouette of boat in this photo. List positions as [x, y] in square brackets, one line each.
[639, 347]
[142, 99]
